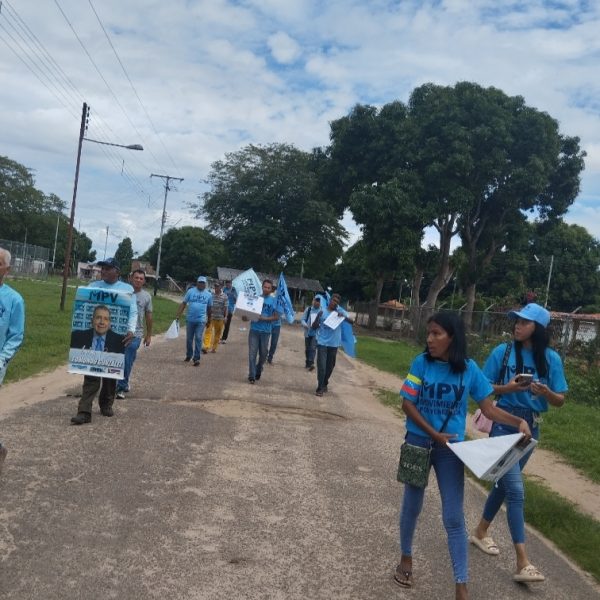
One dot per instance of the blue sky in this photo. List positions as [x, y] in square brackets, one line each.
[215, 75]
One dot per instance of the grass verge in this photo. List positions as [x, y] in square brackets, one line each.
[48, 330]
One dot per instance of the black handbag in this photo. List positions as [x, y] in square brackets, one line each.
[415, 461]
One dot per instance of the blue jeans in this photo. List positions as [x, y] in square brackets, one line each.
[450, 474]
[326, 356]
[258, 345]
[130, 355]
[195, 333]
[310, 349]
[274, 339]
[510, 486]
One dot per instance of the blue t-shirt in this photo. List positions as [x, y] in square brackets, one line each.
[231, 294]
[197, 302]
[555, 378]
[123, 287]
[12, 323]
[432, 387]
[306, 319]
[267, 311]
[327, 336]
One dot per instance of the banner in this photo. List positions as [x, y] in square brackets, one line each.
[348, 340]
[283, 302]
[100, 318]
[248, 283]
[249, 306]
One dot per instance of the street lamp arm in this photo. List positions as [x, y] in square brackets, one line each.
[130, 147]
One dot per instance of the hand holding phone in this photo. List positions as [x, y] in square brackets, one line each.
[524, 379]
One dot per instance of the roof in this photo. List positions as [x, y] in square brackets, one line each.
[393, 304]
[296, 283]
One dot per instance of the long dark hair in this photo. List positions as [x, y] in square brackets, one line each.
[540, 340]
[457, 351]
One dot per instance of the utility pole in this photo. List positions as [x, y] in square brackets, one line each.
[549, 279]
[55, 240]
[163, 220]
[105, 243]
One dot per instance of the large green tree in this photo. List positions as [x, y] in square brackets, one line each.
[266, 205]
[124, 255]
[188, 252]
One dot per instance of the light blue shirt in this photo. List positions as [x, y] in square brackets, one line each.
[267, 311]
[12, 323]
[197, 302]
[554, 379]
[327, 336]
[231, 294]
[121, 286]
[306, 320]
[432, 387]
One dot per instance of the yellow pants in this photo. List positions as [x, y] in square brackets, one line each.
[212, 335]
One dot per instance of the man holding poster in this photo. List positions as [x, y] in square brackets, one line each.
[116, 297]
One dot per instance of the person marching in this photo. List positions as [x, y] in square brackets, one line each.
[144, 306]
[310, 334]
[213, 332]
[199, 300]
[525, 396]
[434, 399]
[231, 294]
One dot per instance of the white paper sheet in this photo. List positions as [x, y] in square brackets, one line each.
[334, 320]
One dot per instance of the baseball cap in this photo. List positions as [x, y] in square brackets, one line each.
[201, 279]
[532, 312]
[109, 262]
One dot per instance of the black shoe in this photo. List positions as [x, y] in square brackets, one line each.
[325, 389]
[270, 361]
[311, 368]
[204, 351]
[81, 418]
[251, 380]
[196, 363]
[187, 359]
[107, 412]
[319, 392]
[258, 374]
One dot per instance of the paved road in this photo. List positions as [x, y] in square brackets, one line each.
[204, 487]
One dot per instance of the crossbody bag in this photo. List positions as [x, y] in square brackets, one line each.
[415, 461]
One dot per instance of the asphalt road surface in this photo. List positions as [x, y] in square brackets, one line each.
[205, 487]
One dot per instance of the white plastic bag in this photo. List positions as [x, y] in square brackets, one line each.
[173, 331]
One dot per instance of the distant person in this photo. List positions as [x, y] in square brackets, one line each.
[144, 306]
[109, 280]
[434, 399]
[528, 398]
[99, 336]
[198, 301]
[310, 334]
[231, 294]
[12, 324]
[260, 331]
[328, 341]
[214, 331]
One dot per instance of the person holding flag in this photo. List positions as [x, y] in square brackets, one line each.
[284, 306]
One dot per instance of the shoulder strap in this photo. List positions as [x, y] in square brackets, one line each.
[504, 363]
[456, 401]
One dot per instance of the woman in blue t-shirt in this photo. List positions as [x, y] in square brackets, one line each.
[532, 379]
[439, 382]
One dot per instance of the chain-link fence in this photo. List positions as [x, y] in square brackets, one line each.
[27, 259]
[571, 334]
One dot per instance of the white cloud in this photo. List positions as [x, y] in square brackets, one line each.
[285, 49]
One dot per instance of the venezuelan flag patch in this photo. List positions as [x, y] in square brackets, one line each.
[411, 387]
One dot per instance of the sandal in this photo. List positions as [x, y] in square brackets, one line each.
[528, 574]
[403, 578]
[486, 544]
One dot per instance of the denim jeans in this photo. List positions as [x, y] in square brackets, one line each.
[450, 475]
[258, 345]
[325, 365]
[310, 349]
[194, 334]
[274, 339]
[510, 486]
[130, 355]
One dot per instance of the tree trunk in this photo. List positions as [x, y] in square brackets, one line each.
[445, 272]
[374, 307]
[468, 315]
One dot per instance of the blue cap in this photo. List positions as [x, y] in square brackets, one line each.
[109, 262]
[532, 312]
[201, 279]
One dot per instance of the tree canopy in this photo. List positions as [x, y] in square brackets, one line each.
[266, 206]
[124, 255]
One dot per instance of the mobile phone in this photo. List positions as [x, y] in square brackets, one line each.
[524, 378]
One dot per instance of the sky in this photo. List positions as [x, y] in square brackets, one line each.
[193, 80]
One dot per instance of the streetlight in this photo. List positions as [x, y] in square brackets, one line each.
[82, 130]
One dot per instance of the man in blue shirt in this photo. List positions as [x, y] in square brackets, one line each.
[231, 294]
[260, 331]
[199, 302]
[310, 334]
[329, 339]
[109, 280]
[12, 324]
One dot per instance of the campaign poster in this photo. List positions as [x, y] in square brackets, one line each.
[99, 325]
